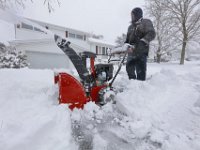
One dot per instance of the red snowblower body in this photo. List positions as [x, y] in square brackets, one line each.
[76, 93]
[93, 85]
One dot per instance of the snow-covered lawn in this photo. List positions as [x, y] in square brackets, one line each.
[160, 113]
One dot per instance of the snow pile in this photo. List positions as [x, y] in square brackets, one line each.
[30, 117]
[161, 113]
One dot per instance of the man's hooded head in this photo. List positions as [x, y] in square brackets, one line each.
[136, 14]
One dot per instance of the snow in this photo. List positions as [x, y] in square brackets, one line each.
[30, 118]
[100, 41]
[160, 113]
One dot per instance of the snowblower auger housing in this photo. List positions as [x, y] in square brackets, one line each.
[93, 84]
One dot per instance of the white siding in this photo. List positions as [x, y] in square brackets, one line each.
[25, 34]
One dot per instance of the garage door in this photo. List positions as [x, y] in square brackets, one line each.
[40, 60]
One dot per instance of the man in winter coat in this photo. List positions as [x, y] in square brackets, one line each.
[140, 33]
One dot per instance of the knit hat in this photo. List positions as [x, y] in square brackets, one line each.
[138, 13]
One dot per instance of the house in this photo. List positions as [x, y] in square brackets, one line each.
[36, 40]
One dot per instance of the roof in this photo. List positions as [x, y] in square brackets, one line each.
[58, 27]
[99, 41]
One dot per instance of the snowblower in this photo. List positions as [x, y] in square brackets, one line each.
[95, 85]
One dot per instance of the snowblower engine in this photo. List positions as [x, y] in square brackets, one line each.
[93, 84]
[104, 72]
[101, 73]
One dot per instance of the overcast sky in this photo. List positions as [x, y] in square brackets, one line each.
[107, 17]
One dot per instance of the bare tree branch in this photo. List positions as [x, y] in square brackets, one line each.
[21, 3]
[183, 17]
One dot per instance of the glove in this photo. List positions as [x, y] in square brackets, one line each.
[129, 48]
[125, 48]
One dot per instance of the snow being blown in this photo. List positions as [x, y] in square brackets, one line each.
[162, 113]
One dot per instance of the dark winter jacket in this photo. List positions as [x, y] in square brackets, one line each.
[140, 34]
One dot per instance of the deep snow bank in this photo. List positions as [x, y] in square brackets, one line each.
[30, 117]
[164, 110]
[161, 113]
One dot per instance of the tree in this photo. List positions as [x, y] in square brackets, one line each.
[120, 40]
[7, 3]
[10, 58]
[166, 40]
[186, 14]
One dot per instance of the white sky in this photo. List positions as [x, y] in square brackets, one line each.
[107, 17]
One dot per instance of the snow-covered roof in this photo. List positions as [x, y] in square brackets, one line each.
[99, 41]
[58, 27]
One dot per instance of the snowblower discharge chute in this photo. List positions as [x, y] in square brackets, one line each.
[94, 84]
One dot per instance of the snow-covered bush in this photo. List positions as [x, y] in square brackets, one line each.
[11, 58]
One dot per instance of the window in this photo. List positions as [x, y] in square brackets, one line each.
[71, 35]
[30, 27]
[26, 26]
[108, 50]
[18, 25]
[100, 51]
[103, 50]
[77, 36]
[84, 37]
[80, 37]
[66, 34]
[97, 50]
